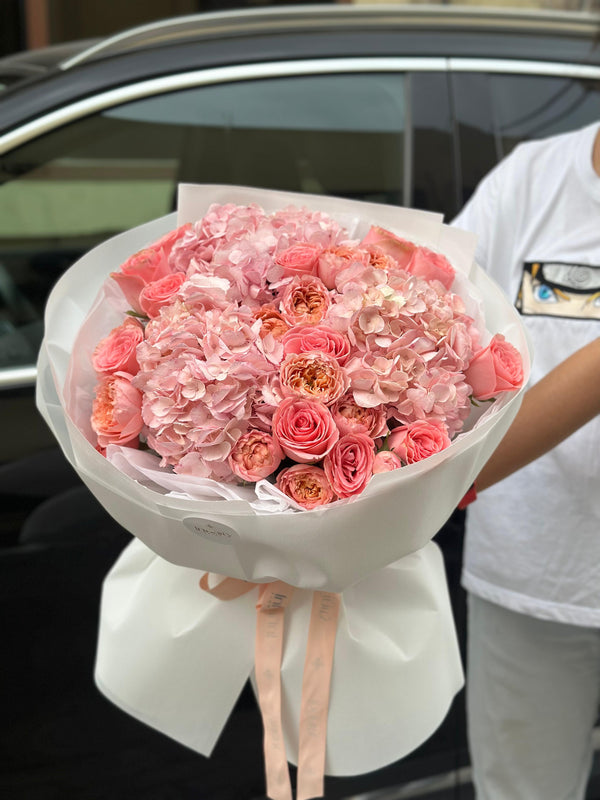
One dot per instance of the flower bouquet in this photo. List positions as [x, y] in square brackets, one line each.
[291, 391]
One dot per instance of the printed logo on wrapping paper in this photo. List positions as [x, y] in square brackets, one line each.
[211, 530]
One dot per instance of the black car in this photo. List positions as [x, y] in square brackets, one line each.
[407, 105]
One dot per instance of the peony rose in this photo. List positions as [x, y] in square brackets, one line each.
[349, 464]
[418, 440]
[117, 352]
[271, 322]
[255, 455]
[299, 259]
[386, 461]
[158, 293]
[352, 418]
[117, 411]
[401, 250]
[495, 369]
[431, 266]
[335, 260]
[306, 484]
[304, 429]
[307, 338]
[305, 300]
[316, 376]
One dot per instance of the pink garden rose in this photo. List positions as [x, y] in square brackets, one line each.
[418, 440]
[158, 293]
[307, 338]
[255, 455]
[116, 411]
[271, 321]
[386, 461]
[299, 259]
[401, 250]
[352, 418]
[316, 376]
[304, 429]
[117, 352]
[349, 464]
[431, 266]
[495, 369]
[306, 484]
[305, 301]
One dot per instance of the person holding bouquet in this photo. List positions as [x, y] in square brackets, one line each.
[532, 548]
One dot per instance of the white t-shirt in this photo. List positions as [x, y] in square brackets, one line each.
[533, 540]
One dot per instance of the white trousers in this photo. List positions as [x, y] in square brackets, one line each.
[532, 701]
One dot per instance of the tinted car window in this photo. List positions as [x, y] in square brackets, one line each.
[67, 190]
[534, 107]
[494, 112]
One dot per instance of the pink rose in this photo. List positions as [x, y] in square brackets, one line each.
[349, 464]
[117, 352]
[141, 268]
[308, 338]
[255, 455]
[299, 259]
[170, 239]
[401, 250]
[386, 461]
[305, 301]
[431, 267]
[158, 293]
[117, 411]
[146, 266]
[316, 376]
[495, 369]
[304, 429]
[418, 440]
[352, 418]
[306, 484]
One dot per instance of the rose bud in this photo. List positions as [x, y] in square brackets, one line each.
[254, 456]
[495, 369]
[306, 484]
[418, 440]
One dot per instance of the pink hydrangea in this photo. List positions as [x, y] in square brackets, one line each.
[271, 338]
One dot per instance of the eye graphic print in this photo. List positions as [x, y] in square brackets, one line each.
[559, 289]
[544, 294]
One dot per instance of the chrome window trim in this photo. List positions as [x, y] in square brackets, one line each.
[204, 77]
[17, 377]
[216, 75]
[523, 67]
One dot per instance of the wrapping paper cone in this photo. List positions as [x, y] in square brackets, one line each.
[177, 658]
[234, 532]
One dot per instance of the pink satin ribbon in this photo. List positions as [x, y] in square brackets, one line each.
[316, 682]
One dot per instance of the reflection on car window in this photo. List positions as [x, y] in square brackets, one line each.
[67, 190]
[494, 112]
[534, 107]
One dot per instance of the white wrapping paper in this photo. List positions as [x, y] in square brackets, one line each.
[396, 666]
[177, 658]
[232, 534]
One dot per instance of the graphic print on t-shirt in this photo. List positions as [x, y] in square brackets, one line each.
[558, 289]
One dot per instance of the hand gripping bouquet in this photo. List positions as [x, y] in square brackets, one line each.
[283, 397]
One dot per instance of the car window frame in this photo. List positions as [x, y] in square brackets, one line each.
[22, 376]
